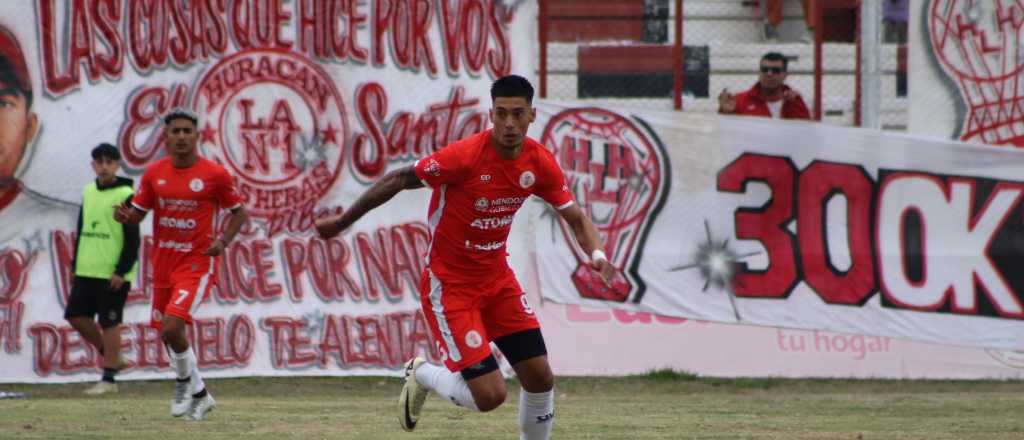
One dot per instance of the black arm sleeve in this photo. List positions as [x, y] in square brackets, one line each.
[130, 250]
[78, 237]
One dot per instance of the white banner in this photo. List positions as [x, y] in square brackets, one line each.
[790, 224]
[306, 102]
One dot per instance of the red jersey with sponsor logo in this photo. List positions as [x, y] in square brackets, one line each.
[185, 202]
[476, 195]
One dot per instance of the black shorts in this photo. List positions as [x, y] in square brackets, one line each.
[92, 296]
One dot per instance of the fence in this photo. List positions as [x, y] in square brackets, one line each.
[679, 54]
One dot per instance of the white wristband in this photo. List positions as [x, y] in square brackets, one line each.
[598, 255]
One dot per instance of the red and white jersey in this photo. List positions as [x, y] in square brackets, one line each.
[185, 202]
[476, 196]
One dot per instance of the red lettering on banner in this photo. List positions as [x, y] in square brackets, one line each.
[468, 29]
[14, 272]
[407, 23]
[68, 356]
[46, 342]
[63, 248]
[576, 313]
[499, 59]
[376, 266]
[431, 130]
[372, 340]
[821, 182]
[331, 342]
[405, 262]
[382, 11]
[284, 198]
[290, 343]
[260, 135]
[100, 34]
[368, 150]
[293, 256]
[218, 343]
[332, 25]
[249, 264]
[150, 351]
[146, 106]
[920, 221]
[327, 263]
[143, 290]
[88, 21]
[262, 251]
[11, 316]
[473, 30]
[106, 14]
[173, 35]
[766, 224]
[388, 258]
[857, 345]
[417, 236]
[952, 222]
[385, 340]
[298, 219]
[258, 24]
[393, 255]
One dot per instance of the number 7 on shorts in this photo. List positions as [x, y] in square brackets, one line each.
[182, 295]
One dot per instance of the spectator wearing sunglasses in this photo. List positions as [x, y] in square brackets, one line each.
[770, 97]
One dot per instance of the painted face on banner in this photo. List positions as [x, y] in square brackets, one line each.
[977, 43]
[277, 121]
[617, 172]
[18, 125]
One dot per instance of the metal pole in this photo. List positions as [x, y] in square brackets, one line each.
[542, 35]
[819, 34]
[871, 66]
[857, 65]
[677, 52]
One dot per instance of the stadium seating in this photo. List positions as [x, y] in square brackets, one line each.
[729, 30]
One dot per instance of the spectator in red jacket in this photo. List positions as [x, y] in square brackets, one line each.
[770, 97]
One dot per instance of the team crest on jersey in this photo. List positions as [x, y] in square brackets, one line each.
[432, 167]
[481, 204]
[196, 185]
[473, 339]
[616, 167]
[276, 120]
[527, 179]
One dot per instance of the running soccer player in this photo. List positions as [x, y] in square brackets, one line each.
[469, 294]
[185, 191]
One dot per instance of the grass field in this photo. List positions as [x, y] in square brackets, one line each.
[661, 405]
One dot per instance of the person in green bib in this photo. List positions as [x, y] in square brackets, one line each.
[106, 253]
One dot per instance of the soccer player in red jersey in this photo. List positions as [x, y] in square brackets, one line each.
[469, 294]
[185, 191]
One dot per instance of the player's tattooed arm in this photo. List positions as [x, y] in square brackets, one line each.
[381, 191]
